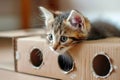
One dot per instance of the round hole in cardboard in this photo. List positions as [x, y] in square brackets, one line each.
[66, 63]
[101, 65]
[36, 57]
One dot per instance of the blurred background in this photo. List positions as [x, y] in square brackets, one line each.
[24, 14]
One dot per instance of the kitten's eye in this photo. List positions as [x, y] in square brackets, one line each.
[63, 38]
[50, 37]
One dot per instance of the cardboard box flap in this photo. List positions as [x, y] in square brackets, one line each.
[18, 33]
[106, 40]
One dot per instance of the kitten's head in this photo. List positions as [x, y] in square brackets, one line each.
[65, 29]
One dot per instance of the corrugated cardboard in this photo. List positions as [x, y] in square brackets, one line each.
[8, 46]
[82, 54]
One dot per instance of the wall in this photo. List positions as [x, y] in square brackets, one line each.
[95, 9]
[10, 14]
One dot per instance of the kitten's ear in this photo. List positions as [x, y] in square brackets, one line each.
[76, 20]
[47, 14]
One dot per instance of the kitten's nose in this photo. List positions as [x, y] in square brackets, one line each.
[55, 47]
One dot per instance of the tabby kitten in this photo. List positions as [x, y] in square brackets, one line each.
[66, 29]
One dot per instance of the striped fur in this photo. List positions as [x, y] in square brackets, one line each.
[59, 27]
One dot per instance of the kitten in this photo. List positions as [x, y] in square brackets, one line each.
[66, 29]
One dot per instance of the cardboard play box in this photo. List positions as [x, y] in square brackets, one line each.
[89, 60]
[8, 45]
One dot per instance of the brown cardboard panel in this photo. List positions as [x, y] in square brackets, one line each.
[9, 75]
[82, 55]
[87, 53]
[49, 66]
[8, 45]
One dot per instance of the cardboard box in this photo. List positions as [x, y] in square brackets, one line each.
[8, 46]
[89, 60]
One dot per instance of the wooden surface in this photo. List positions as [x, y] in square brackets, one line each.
[9, 75]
